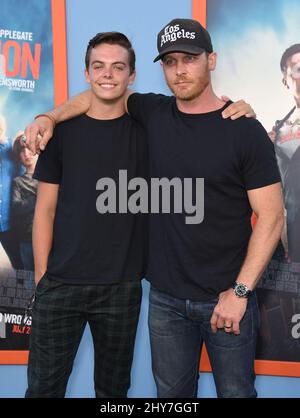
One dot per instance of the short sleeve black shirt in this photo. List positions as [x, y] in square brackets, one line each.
[199, 261]
[89, 247]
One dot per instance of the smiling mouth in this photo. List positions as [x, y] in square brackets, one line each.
[107, 86]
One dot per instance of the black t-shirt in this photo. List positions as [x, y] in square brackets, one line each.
[89, 247]
[199, 261]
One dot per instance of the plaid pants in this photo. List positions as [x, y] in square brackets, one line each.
[60, 314]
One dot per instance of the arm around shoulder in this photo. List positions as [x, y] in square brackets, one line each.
[39, 132]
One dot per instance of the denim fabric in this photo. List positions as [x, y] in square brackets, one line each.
[178, 329]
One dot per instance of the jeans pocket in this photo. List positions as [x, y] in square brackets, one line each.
[40, 283]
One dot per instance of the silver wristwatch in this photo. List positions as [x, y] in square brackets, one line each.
[241, 290]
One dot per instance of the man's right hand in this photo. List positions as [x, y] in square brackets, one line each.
[38, 134]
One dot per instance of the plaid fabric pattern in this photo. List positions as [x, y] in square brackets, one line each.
[59, 316]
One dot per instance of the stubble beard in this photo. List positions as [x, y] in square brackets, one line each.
[196, 90]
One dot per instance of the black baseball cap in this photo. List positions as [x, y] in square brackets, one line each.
[183, 35]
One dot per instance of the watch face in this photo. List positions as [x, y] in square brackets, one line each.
[241, 290]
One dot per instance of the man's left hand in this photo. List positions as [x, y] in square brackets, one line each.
[238, 109]
[228, 313]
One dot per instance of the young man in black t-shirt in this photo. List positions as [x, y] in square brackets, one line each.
[203, 276]
[88, 265]
[191, 266]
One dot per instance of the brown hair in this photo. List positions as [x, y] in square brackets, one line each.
[113, 38]
[18, 145]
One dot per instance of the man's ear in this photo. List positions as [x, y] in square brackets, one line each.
[212, 61]
[132, 77]
[87, 77]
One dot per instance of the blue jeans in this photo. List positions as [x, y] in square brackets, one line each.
[178, 329]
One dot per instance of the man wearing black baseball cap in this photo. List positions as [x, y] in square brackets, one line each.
[201, 274]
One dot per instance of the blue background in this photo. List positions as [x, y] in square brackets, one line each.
[140, 20]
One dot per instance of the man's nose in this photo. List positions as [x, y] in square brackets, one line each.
[180, 68]
[107, 72]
